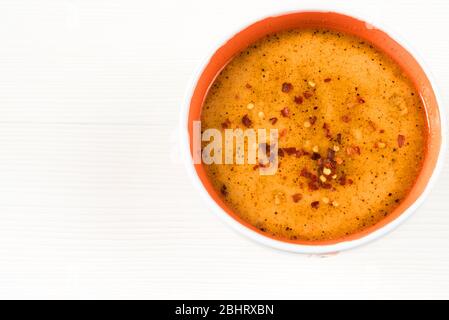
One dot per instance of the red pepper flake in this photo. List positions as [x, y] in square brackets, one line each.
[338, 138]
[401, 140]
[330, 154]
[262, 165]
[281, 152]
[327, 130]
[224, 190]
[287, 87]
[315, 204]
[290, 150]
[285, 112]
[273, 120]
[327, 80]
[296, 197]
[246, 121]
[360, 100]
[313, 186]
[305, 173]
[316, 156]
[382, 131]
[300, 153]
[307, 94]
[298, 99]
[283, 133]
[346, 118]
[342, 180]
[350, 181]
[226, 124]
[312, 120]
[248, 86]
[326, 186]
[330, 163]
[313, 177]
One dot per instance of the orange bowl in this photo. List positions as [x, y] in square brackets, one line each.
[339, 22]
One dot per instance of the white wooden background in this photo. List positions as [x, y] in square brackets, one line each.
[94, 201]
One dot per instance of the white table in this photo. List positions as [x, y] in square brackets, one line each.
[94, 202]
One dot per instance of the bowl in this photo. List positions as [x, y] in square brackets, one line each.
[398, 51]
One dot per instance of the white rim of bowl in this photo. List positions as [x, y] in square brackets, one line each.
[301, 248]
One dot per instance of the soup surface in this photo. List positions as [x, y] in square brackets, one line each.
[352, 132]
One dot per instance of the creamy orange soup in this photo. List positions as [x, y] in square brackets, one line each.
[352, 133]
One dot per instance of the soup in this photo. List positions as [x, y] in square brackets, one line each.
[352, 134]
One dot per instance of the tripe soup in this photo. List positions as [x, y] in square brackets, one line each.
[352, 133]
